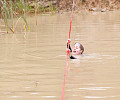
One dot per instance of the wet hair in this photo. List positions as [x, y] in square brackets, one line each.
[81, 47]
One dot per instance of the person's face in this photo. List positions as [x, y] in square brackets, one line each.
[76, 50]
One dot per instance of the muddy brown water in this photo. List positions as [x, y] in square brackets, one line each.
[32, 63]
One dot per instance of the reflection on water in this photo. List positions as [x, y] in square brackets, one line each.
[32, 63]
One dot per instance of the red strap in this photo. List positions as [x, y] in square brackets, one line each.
[64, 78]
[71, 20]
[67, 54]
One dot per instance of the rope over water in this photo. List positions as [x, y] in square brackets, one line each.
[67, 54]
[71, 19]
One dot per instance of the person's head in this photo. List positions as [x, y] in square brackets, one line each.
[78, 49]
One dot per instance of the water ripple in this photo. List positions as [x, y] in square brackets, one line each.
[96, 88]
[48, 96]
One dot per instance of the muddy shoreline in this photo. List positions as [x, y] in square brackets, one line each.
[66, 6]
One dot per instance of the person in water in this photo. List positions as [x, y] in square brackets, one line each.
[78, 49]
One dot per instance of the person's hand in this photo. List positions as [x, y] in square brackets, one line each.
[68, 41]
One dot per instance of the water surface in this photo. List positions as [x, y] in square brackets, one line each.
[32, 63]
